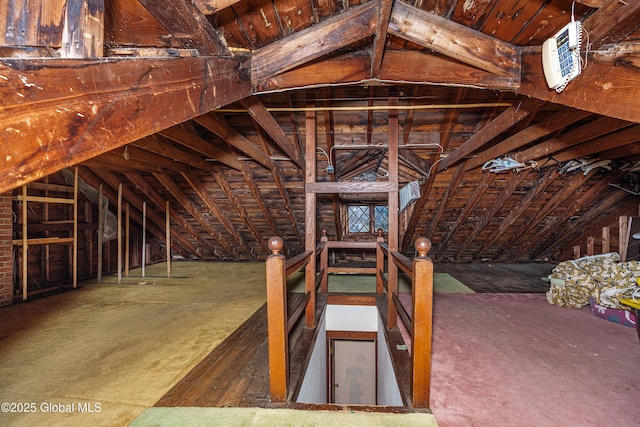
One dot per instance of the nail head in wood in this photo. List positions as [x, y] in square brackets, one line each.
[275, 245]
[423, 245]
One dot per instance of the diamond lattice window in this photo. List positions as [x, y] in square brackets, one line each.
[367, 218]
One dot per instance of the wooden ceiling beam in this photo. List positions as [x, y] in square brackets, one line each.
[263, 117]
[94, 180]
[219, 126]
[188, 25]
[330, 138]
[313, 42]
[627, 136]
[452, 187]
[542, 128]
[137, 203]
[262, 204]
[384, 15]
[612, 23]
[210, 7]
[518, 210]
[127, 164]
[454, 40]
[192, 141]
[241, 211]
[100, 105]
[604, 89]
[216, 210]
[167, 149]
[500, 124]
[197, 214]
[131, 152]
[142, 185]
[488, 215]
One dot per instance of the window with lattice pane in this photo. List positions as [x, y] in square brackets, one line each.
[359, 219]
[381, 218]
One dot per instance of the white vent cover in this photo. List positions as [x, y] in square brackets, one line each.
[409, 194]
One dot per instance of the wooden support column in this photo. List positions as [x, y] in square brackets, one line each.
[591, 246]
[119, 233]
[606, 240]
[144, 237]
[126, 239]
[379, 264]
[25, 245]
[623, 236]
[324, 263]
[422, 324]
[310, 216]
[393, 213]
[576, 252]
[101, 217]
[277, 321]
[75, 228]
[168, 232]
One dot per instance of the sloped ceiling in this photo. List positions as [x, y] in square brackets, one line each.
[203, 104]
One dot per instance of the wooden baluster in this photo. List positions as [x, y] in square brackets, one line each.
[324, 263]
[379, 263]
[277, 321]
[422, 324]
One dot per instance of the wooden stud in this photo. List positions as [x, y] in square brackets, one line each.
[393, 213]
[119, 233]
[168, 233]
[126, 239]
[324, 263]
[25, 245]
[310, 216]
[591, 246]
[75, 228]
[101, 217]
[576, 252]
[623, 233]
[606, 240]
[379, 264]
[144, 237]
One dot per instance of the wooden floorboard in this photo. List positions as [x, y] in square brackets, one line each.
[500, 278]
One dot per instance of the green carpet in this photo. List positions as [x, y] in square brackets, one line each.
[366, 283]
[195, 417]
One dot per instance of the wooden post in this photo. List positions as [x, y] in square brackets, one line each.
[606, 240]
[576, 252]
[119, 233]
[126, 239]
[101, 217]
[392, 282]
[310, 217]
[277, 321]
[75, 228]
[379, 263]
[168, 233]
[324, 263]
[422, 324]
[623, 239]
[591, 246]
[144, 237]
[25, 244]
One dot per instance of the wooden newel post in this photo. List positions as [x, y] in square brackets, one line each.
[277, 321]
[324, 263]
[422, 324]
[379, 263]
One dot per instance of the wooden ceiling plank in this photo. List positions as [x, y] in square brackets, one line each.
[406, 129]
[190, 140]
[241, 211]
[536, 131]
[454, 40]
[145, 156]
[219, 126]
[603, 89]
[100, 105]
[159, 201]
[500, 124]
[418, 208]
[329, 131]
[596, 128]
[260, 114]
[166, 149]
[448, 123]
[92, 179]
[188, 25]
[182, 198]
[612, 23]
[630, 135]
[507, 191]
[452, 187]
[210, 7]
[548, 207]
[128, 164]
[215, 209]
[462, 217]
[540, 242]
[262, 204]
[311, 43]
[135, 201]
[523, 204]
[384, 15]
